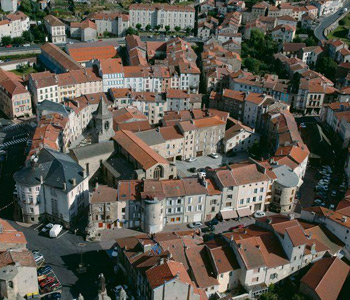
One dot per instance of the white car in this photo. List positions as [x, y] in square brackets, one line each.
[332, 207]
[26, 45]
[191, 159]
[259, 214]
[70, 42]
[214, 155]
[47, 227]
[318, 201]
[195, 225]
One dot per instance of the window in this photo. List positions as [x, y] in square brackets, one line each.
[179, 201]
[261, 189]
[189, 208]
[255, 191]
[228, 204]
[199, 207]
[200, 199]
[189, 200]
[241, 201]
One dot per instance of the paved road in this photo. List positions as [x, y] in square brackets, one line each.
[325, 22]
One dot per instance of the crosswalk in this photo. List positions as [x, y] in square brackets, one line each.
[11, 127]
[14, 142]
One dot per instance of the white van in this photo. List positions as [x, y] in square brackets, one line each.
[55, 230]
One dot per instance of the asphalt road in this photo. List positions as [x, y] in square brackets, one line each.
[325, 22]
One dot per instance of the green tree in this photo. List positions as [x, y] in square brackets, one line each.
[167, 28]
[252, 64]
[188, 30]
[6, 40]
[105, 33]
[131, 31]
[27, 36]
[26, 6]
[148, 27]
[18, 40]
[138, 26]
[39, 33]
[327, 66]
[310, 41]
[177, 28]
[342, 22]
[157, 27]
[297, 39]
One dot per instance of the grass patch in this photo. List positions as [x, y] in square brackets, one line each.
[341, 31]
[26, 71]
[18, 56]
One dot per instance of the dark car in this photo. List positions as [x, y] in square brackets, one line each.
[193, 170]
[53, 296]
[44, 270]
[208, 229]
[213, 222]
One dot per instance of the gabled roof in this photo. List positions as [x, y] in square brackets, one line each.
[326, 277]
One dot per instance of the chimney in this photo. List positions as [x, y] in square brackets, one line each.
[74, 181]
[268, 220]
[313, 247]
[41, 179]
[84, 173]
[161, 261]
[64, 186]
[258, 247]
[239, 246]
[291, 216]
[344, 219]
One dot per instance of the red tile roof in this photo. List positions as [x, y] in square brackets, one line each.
[326, 277]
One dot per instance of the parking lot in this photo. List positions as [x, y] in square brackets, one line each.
[183, 167]
[64, 254]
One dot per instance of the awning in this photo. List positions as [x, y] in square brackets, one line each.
[244, 212]
[228, 214]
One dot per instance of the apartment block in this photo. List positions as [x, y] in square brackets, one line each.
[56, 29]
[53, 187]
[15, 100]
[162, 15]
[14, 24]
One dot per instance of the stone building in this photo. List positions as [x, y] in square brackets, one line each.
[18, 275]
[53, 187]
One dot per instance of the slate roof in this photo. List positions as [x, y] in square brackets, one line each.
[93, 150]
[56, 169]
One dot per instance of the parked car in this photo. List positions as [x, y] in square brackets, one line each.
[210, 228]
[195, 225]
[259, 214]
[52, 287]
[213, 222]
[214, 155]
[26, 45]
[53, 296]
[235, 227]
[8, 46]
[55, 230]
[302, 125]
[332, 207]
[192, 170]
[44, 270]
[334, 193]
[47, 281]
[47, 227]
[191, 159]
